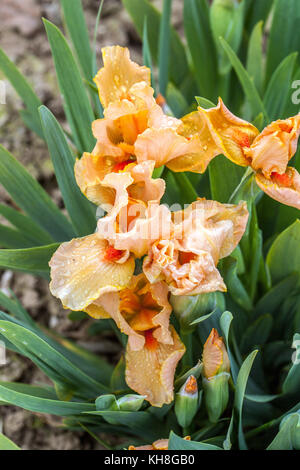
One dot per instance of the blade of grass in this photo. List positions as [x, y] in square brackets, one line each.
[75, 99]
[246, 81]
[32, 199]
[81, 212]
[164, 47]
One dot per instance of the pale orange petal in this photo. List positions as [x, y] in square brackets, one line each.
[144, 187]
[288, 195]
[275, 146]
[211, 226]
[118, 75]
[195, 129]
[80, 273]
[150, 372]
[199, 275]
[110, 303]
[154, 224]
[166, 147]
[89, 173]
[108, 137]
[231, 134]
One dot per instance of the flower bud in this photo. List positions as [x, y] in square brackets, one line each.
[189, 308]
[130, 402]
[186, 402]
[216, 367]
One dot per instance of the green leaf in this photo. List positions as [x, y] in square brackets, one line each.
[141, 9]
[280, 85]
[227, 21]
[258, 11]
[178, 443]
[255, 57]
[76, 24]
[7, 444]
[204, 102]
[283, 257]
[24, 90]
[234, 285]
[31, 231]
[239, 395]
[284, 439]
[224, 177]
[140, 423]
[257, 333]
[272, 300]
[201, 45]
[10, 395]
[147, 57]
[225, 322]
[176, 101]
[286, 12]
[186, 188]
[291, 383]
[12, 238]
[246, 81]
[80, 210]
[58, 368]
[164, 47]
[33, 260]
[76, 102]
[32, 199]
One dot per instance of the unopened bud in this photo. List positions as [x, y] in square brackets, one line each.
[189, 308]
[186, 402]
[130, 402]
[216, 367]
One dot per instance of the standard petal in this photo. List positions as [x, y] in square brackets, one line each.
[166, 147]
[150, 371]
[118, 75]
[283, 188]
[275, 146]
[231, 134]
[81, 271]
[90, 171]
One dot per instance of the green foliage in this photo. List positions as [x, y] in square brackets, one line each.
[259, 316]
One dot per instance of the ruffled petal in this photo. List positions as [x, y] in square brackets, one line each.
[150, 371]
[108, 137]
[283, 188]
[231, 134]
[81, 271]
[189, 273]
[118, 75]
[275, 146]
[211, 226]
[147, 226]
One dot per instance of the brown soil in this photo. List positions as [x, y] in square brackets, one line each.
[23, 38]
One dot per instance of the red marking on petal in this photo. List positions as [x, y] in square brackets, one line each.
[151, 342]
[121, 165]
[185, 257]
[283, 180]
[285, 127]
[111, 254]
[242, 139]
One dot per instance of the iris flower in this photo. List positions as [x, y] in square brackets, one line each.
[201, 235]
[267, 153]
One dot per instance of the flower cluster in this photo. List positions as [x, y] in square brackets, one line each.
[180, 250]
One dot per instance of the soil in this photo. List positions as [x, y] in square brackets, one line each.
[23, 38]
